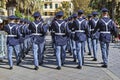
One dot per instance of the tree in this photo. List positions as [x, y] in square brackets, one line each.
[110, 4]
[64, 8]
[82, 4]
[28, 7]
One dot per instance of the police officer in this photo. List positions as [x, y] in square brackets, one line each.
[73, 44]
[88, 36]
[95, 38]
[38, 31]
[81, 30]
[12, 40]
[26, 31]
[53, 34]
[69, 44]
[21, 39]
[60, 28]
[19, 25]
[106, 27]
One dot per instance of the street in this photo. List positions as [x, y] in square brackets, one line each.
[92, 70]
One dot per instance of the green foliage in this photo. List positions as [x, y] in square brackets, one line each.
[64, 8]
[118, 20]
[110, 4]
[18, 14]
[82, 4]
[29, 18]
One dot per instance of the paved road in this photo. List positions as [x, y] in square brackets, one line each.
[90, 71]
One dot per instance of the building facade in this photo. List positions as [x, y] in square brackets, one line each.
[50, 6]
[3, 11]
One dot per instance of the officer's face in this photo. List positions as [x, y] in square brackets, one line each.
[105, 14]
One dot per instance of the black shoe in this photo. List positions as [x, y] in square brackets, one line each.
[74, 60]
[36, 68]
[23, 56]
[11, 68]
[101, 62]
[94, 59]
[1, 60]
[104, 66]
[70, 54]
[62, 64]
[18, 62]
[89, 53]
[79, 67]
[59, 68]
[41, 63]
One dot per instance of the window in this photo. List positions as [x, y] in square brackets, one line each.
[70, 13]
[50, 5]
[70, 5]
[45, 5]
[45, 13]
[51, 14]
[0, 4]
[56, 5]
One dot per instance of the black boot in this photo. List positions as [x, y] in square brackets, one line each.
[36, 68]
[89, 53]
[104, 66]
[18, 62]
[79, 67]
[59, 68]
[94, 59]
[11, 68]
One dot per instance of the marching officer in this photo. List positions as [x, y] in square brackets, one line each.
[106, 27]
[95, 38]
[38, 31]
[69, 44]
[60, 28]
[81, 30]
[26, 31]
[21, 39]
[12, 40]
[19, 25]
[88, 36]
[73, 44]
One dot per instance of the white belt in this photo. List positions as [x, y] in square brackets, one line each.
[36, 34]
[104, 32]
[53, 31]
[91, 29]
[59, 33]
[79, 31]
[73, 32]
[12, 35]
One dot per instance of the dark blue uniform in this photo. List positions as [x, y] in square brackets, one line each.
[106, 27]
[38, 30]
[72, 35]
[12, 40]
[81, 31]
[94, 37]
[61, 31]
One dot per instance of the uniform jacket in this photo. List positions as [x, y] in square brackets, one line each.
[80, 36]
[92, 24]
[12, 29]
[63, 28]
[40, 29]
[106, 30]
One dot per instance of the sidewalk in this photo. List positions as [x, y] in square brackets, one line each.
[90, 71]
